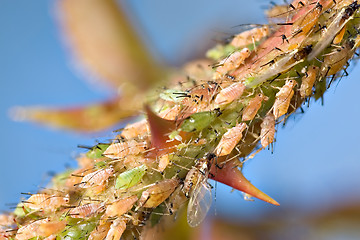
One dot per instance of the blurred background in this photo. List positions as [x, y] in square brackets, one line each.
[315, 165]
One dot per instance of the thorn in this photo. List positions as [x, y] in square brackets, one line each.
[233, 177]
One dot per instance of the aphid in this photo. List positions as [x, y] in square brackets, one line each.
[249, 37]
[253, 107]
[308, 80]
[163, 162]
[197, 188]
[100, 232]
[230, 93]
[267, 130]
[281, 64]
[48, 228]
[97, 178]
[40, 228]
[335, 61]
[121, 206]
[135, 129]
[232, 62]
[229, 140]
[122, 149]
[198, 99]
[156, 194]
[338, 23]
[283, 98]
[86, 210]
[130, 178]
[117, 228]
[45, 202]
[304, 24]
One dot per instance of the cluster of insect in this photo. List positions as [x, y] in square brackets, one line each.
[195, 129]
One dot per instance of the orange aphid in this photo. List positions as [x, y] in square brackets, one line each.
[283, 98]
[121, 206]
[157, 193]
[336, 60]
[307, 82]
[122, 149]
[304, 24]
[197, 100]
[40, 228]
[251, 36]
[229, 140]
[117, 228]
[230, 93]
[253, 107]
[163, 162]
[86, 210]
[48, 228]
[135, 129]
[97, 178]
[46, 202]
[267, 130]
[29, 231]
[232, 62]
[100, 232]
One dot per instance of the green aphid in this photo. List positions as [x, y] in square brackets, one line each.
[78, 231]
[198, 121]
[173, 95]
[97, 151]
[20, 210]
[130, 178]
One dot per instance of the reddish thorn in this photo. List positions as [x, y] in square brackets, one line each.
[233, 177]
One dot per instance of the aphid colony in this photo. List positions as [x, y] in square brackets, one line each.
[197, 129]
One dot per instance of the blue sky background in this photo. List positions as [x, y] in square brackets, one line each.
[316, 161]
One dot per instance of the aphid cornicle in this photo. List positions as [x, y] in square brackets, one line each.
[197, 188]
[96, 178]
[122, 149]
[230, 93]
[229, 140]
[267, 130]
[232, 62]
[283, 98]
[253, 107]
[45, 202]
[308, 80]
